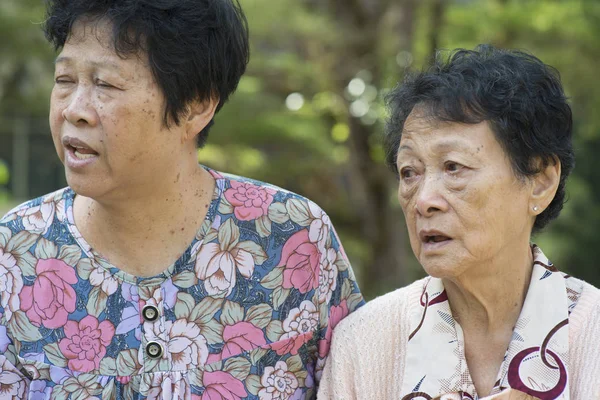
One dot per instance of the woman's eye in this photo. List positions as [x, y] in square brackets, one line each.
[407, 173]
[62, 80]
[453, 166]
[104, 84]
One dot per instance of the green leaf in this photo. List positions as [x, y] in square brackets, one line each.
[5, 234]
[22, 329]
[229, 235]
[206, 309]
[353, 301]
[27, 263]
[212, 330]
[216, 366]
[85, 268]
[21, 242]
[225, 206]
[341, 263]
[263, 226]
[127, 362]
[298, 211]
[70, 254]
[294, 363]
[238, 367]
[253, 384]
[275, 330]
[232, 313]
[195, 377]
[71, 385]
[346, 289]
[54, 355]
[184, 305]
[45, 249]
[257, 354]
[110, 390]
[278, 213]
[96, 302]
[185, 279]
[259, 315]
[258, 253]
[108, 366]
[59, 393]
[280, 295]
[274, 279]
[210, 236]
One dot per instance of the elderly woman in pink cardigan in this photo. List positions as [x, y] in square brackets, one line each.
[481, 144]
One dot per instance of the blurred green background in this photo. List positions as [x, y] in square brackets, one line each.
[308, 114]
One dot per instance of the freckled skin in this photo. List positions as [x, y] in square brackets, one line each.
[122, 122]
[457, 179]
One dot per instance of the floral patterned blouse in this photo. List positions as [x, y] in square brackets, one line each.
[246, 312]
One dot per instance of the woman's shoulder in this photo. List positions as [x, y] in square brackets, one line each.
[390, 309]
[38, 214]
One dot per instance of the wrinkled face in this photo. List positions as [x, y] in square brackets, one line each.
[462, 202]
[106, 117]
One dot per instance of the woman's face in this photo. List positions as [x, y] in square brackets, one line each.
[106, 117]
[463, 204]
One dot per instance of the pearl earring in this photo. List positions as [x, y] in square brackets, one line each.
[535, 208]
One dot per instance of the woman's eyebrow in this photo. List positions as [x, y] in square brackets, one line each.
[97, 64]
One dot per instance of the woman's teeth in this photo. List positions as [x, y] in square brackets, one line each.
[83, 156]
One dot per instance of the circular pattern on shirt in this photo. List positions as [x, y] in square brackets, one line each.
[150, 313]
[154, 350]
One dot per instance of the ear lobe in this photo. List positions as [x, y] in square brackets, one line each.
[544, 186]
[200, 114]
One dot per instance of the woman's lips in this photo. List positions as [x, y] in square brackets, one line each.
[78, 158]
[433, 240]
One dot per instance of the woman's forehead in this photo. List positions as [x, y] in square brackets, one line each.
[435, 137]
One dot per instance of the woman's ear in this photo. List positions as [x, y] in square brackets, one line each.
[544, 186]
[199, 115]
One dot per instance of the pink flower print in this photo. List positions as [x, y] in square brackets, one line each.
[38, 219]
[221, 385]
[51, 298]
[301, 260]
[85, 343]
[299, 327]
[336, 314]
[328, 276]
[239, 338]
[278, 383]
[11, 283]
[318, 231]
[249, 201]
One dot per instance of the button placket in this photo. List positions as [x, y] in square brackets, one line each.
[155, 337]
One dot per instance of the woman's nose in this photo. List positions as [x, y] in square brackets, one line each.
[430, 196]
[80, 109]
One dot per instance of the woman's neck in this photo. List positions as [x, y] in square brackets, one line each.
[490, 298]
[149, 230]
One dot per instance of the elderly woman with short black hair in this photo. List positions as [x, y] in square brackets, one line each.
[151, 276]
[481, 145]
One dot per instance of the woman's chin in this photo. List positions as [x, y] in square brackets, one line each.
[441, 267]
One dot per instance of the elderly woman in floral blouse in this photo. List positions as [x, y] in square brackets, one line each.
[151, 277]
[481, 144]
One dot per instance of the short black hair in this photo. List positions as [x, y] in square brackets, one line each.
[520, 97]
[196, 49]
